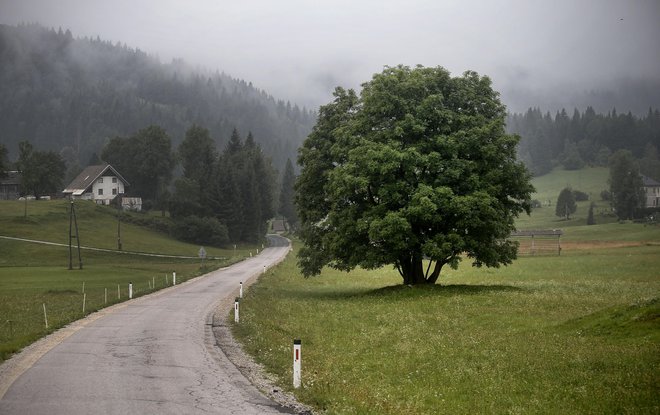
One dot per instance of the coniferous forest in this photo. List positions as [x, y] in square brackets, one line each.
[585, 138]
[73, 95]
[175, 132]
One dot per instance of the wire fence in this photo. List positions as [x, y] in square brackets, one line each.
[56, 308]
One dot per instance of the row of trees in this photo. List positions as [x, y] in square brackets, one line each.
[584, 138]
[219, 198]
[42, 171]
[626, 193]
[236, 187]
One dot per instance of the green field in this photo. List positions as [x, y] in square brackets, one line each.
[32, 275]
[572, 334]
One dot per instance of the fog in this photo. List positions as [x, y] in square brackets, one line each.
[547, 54]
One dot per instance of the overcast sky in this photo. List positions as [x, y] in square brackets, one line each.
[300, 50]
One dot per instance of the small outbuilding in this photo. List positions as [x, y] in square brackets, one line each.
[10, 185]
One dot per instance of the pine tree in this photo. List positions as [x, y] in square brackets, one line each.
[287, 194]
[590, 217]
[565, 203]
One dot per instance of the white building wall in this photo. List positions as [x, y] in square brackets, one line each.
[105, 188]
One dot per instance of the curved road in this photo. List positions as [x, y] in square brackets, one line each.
[154, 355]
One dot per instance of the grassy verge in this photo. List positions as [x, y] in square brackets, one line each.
[32, 275]
[575, 334]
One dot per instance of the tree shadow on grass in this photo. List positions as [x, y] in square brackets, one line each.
[400, 292]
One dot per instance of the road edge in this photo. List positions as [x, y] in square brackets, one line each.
[227, 344]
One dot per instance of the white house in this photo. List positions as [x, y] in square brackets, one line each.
[100, 183]
[652, 192]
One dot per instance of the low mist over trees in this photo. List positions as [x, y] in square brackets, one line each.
[72, 95]
[584, 138]
[417, 167]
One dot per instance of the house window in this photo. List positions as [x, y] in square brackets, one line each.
[100, 180]
[114, 191]
[100, 192]
[114, 180]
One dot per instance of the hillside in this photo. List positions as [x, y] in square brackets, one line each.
[72, 95]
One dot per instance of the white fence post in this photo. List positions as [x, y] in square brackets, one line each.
[297, 358]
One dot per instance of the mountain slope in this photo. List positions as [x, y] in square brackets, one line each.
[72, 95]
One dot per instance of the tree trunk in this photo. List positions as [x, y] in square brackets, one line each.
[412, 270]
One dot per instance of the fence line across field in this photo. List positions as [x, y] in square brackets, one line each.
[538, 242]
[44, 315]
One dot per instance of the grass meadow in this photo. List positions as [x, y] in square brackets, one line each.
[572, 334]
[32, 275]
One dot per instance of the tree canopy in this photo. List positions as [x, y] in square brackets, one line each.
[565, 203]
[41, 171]
[626, 185]
[417, 167]
[145, 159]
[287, 195]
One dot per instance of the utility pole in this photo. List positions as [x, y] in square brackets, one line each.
[73, 220]
[118, 220]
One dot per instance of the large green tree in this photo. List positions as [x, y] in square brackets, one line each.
[417, 168]
[145, 159]
[626, 185]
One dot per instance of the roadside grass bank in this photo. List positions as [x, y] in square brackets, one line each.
[32, 274]
[574, 334]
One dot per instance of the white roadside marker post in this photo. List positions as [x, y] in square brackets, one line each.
[264, 269]
[106, 296]
[118, 293]
[45, 317]
[240, 290]
[297, 357]
[236, 301]
[173, 278]
[130, 290]
[84, 300]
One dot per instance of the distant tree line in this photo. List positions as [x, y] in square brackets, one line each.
[219, 197]
[585, 139]
[71, 95]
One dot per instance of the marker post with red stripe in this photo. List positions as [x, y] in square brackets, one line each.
[297, 358]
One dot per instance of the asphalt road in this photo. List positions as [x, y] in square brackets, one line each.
[155, 355]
